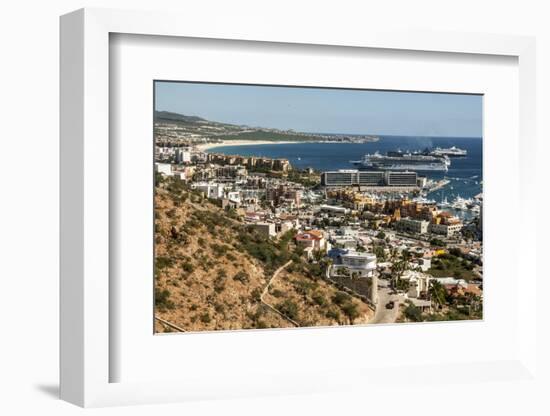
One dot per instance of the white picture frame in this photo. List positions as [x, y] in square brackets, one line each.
[86, 355]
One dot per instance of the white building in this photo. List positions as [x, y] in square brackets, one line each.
[211, 190]
[363, 264]
[234, 196]
[164, 168]
[418, 283]
[425, 264]
[451, 281]
[182, 156]
[335, 209]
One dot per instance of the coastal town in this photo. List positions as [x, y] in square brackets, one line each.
[252, 242]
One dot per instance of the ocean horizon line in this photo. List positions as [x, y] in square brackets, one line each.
[391, 135]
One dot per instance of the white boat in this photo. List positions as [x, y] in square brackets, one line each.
[444, 203]
[462, 204]
[450, 152]
[423, 200]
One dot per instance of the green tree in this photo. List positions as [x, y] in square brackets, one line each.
[413, 313]
[437, 293]
[399, 264]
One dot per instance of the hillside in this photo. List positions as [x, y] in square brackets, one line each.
[211, 271]
[169, 116]
[175, 126]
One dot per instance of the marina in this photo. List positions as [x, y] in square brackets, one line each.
[463, 177]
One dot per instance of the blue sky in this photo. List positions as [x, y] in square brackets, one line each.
[326, 110]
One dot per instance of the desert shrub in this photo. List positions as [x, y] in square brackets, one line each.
[163, 262]
[205, 318]
[319, 299]
[303, 287]
[262, 249]
[340, 298]
[333, 314]
[219, 249]
[242, 277]
[315, 270]
[187, 267]
[278, 293]
[219, 308]
[162, 300]
[288, 308]
[219, 282]
[260, 324]
[351, 310]
[256, 294]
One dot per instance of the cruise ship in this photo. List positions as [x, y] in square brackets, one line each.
[450, 152]
[403, 161]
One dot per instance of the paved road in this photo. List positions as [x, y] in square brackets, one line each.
[383, 315]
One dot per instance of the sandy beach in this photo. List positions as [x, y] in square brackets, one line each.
[207, 146]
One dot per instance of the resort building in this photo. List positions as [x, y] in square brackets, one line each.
[374, 178]
[413, 226]
[446, 230]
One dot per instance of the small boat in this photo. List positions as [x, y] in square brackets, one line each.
[444, 203]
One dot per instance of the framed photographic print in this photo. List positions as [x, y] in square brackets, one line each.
[322, 212]
[277, 226]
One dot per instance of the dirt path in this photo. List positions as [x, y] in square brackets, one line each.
[271, 307]
[170, 324]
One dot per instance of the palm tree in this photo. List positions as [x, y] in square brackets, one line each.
[399, 265]
[437, 293]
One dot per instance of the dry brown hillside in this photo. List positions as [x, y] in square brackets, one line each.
[211, 271]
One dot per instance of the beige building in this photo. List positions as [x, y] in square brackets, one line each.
[314, 239]
[413, 226]
[445, 229]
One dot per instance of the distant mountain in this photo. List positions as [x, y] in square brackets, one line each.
[215, 130]
[167, 115]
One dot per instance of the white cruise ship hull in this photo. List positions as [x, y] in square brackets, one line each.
[421, 168]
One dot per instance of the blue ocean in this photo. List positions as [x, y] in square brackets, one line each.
[464, 174]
